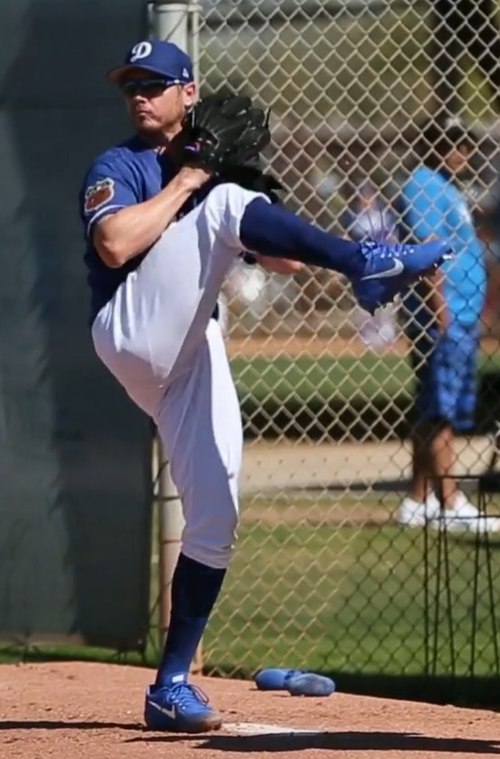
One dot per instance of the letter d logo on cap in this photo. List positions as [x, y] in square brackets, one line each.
[141, 50]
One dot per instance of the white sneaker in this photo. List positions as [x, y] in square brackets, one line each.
[411, 513]
[465, 517]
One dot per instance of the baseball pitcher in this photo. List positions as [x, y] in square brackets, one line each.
[166, 215]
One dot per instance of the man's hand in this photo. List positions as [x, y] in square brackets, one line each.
[192, 179]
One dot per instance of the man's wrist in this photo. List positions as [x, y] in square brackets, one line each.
[191, 178]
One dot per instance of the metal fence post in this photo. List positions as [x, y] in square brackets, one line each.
[170, 21]
[178, 22]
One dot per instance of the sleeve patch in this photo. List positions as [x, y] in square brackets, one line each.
[98, 194]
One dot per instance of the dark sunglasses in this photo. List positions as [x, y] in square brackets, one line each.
[146, 87]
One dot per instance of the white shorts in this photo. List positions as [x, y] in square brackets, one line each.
[157, 338]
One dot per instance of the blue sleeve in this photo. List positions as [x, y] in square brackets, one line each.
[423, 207]
[108, 187]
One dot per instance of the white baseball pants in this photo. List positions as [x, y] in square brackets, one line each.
[157, 338]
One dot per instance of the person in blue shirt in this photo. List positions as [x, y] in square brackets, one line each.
[161, 240]
[443, 317]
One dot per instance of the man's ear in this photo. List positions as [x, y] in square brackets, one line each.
[190, 94]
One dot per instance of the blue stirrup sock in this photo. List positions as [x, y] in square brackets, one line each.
[272, 230]
[195, 588]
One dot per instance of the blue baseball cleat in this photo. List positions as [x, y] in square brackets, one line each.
[391, 268]
[298, 682]
[310, 684]
[180, 708]
[275, 678]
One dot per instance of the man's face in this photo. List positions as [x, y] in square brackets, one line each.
[155, 107]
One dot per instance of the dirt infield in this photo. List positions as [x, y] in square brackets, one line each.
[93, 711]
[314, 346]
[299, 345]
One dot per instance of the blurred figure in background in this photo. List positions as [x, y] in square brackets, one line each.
[368, 215]
[443, 322]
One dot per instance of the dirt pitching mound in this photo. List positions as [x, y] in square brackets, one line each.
[94, 711]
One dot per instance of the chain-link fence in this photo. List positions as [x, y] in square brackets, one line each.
[372, 106]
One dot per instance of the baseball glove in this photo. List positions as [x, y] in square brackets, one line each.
[224, 130]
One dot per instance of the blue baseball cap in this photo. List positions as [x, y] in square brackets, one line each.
[160, 57]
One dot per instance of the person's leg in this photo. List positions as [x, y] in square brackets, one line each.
[464, 346]
[467, 343]
[200, 427]
[420, 504]
[421, 472]
[453, 403]
[439, 382]
[433, 461]
[377, 270]
[451, 367]
[442, 464]
[157, 318]
[157, 338]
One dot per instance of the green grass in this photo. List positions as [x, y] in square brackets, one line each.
[341, 397]
[346, 599]
[328, 376]
[341, 377]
